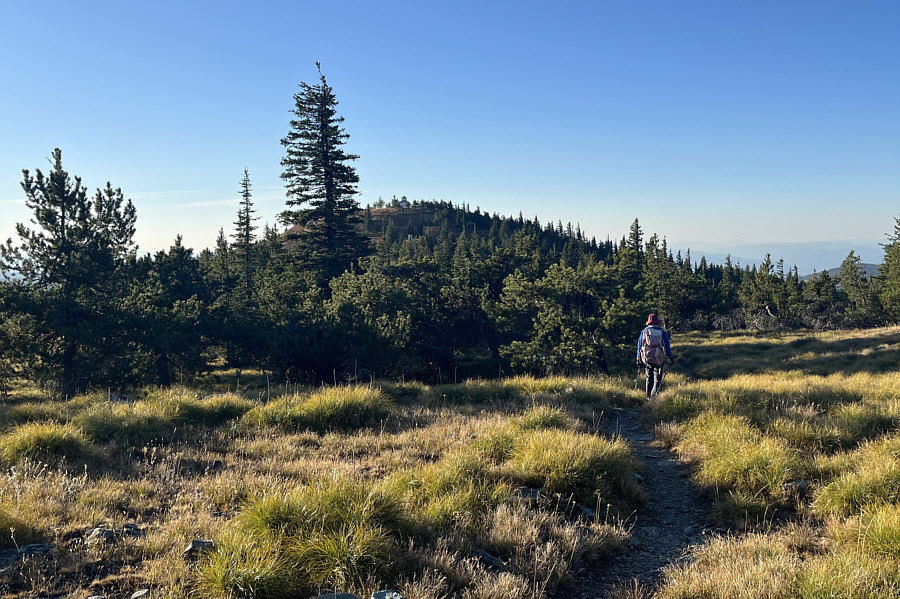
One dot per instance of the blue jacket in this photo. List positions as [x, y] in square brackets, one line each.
[665, 341]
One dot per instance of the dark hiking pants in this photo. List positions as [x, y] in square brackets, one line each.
[654, 379]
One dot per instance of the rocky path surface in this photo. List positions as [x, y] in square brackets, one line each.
[663, 531]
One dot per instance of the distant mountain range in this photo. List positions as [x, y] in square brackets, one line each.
[869, 269]
[809, 257]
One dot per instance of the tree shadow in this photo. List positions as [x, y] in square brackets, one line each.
[873, 351]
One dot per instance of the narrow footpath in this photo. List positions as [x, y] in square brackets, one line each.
[663, 531]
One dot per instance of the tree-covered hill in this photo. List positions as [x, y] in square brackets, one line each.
[432, 290]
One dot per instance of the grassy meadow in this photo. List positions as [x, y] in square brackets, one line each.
[798, 439]
[349, 488]
[430, 489]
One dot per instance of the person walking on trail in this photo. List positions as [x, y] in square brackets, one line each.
[652, 351]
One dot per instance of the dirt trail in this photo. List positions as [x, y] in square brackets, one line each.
[674, 519]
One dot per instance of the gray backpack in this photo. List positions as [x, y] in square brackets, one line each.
[652, 350]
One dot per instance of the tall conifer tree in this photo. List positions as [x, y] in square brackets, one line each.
[889, 275]
[321, 184]
[244, 236]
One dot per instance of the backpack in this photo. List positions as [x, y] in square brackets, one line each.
[652, 351]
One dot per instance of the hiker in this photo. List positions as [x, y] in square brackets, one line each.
[653, 348]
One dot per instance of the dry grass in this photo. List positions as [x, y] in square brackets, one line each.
[352, 488]
[800, 425]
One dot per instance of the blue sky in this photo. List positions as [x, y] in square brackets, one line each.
[715, 122]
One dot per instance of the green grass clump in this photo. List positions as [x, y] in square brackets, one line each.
[733, 455]
[332, 506]
[339, 534]
[452, 493]
[872, 477]
[332, 408]
[848, 572]
[211, 411]
[497, 445]
[15, 532]
[247, 567]
[346, 557]
[543, 417]
[791, 563]
[756, 566]
[129, 425]
[35, 411]
[44, 441]
[876, 530]
[588, 467]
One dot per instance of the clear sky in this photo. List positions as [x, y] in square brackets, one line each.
[712, 122]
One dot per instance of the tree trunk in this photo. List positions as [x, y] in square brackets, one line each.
[163, 378]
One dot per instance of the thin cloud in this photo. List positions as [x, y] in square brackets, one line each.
[181, 192]
[206, 203]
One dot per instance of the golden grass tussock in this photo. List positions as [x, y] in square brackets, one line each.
[15, 532]
[591, 469]
[875, 530]
[792, 562]
[870, 475]
[245, 566]
[756, 566]
[331, 408]
[847, 573]
[45, 441]
[730, 453]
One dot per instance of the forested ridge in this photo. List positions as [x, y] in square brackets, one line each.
[428, 290]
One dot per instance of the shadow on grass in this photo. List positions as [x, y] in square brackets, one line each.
[720, 357]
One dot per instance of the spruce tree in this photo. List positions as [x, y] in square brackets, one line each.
[244, 236]
[889, 276]
[320, 183]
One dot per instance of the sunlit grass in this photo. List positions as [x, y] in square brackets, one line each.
[331, 408]
[45, 441]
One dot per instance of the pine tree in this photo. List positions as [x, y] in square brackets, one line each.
[70, 267]
[889, 275]
[243, 235]
[318, 174]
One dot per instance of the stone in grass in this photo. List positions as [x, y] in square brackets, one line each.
[528, 494]
[338, 596]
[586, 511]
[97, 597]
[101, 535]
[35, 549]
[387, 595]
[198, 547]
[491, 561]
[132, 530]
[141, 594]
